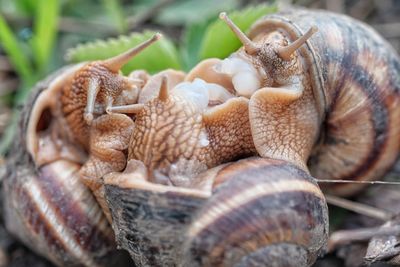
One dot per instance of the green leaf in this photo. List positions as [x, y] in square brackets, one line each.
[159, 56]
[45, 30]
[192, 40]
[220, 42]
[193, 11]
[9, 133]
[25, 7]
[114, 10]
[15, 52]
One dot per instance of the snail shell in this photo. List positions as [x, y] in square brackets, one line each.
[46, 205]
[249, 213]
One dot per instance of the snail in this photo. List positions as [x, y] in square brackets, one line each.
[48, 204]
[168, 205]
[307, 100]
[329, 102]
[294, 105]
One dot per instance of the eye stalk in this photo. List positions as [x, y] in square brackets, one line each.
[116, 63]
[285, 52]
[136, 108]
[163, 93]
[113, 65]
[250, 47]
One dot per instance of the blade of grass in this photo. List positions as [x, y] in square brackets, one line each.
[115, 11]
[219, 41]
[193, 11]
[26, 7]
[9, 133]
[45, 30]
[192, 40]
[15, 52]
[157, 57]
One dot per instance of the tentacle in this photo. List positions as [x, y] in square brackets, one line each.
[285, 52]
[251, 48]
[116, 63]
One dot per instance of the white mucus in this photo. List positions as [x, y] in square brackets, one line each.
[201, 92]
[217, 92]
[244, 76]
[195, 91]
[245, 83]
[203, 139]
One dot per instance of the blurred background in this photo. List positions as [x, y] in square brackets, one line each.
[36, 35]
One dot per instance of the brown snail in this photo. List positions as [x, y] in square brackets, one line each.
[332, 103]
[47, 205]
[303, 110]
[172, 208]
[294, 100]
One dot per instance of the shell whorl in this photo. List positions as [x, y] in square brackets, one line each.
[56, 215]
[354, 74]
[46, 205]
[261, 211]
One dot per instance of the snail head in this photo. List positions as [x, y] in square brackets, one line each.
[265, 59]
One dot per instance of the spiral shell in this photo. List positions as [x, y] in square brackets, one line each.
[47, 206]
[258, 212]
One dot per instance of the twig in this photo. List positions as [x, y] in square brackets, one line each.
[362, 9]
[335, 5]
[343, 237]
[4, 119]
[388, 30]
[5, 64]
[2, 173]
[8, 85]
[356, 182]
[308, 3]
[284, 4]
[359, 208]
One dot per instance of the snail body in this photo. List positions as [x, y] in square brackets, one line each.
[178, 134]
[327, 100]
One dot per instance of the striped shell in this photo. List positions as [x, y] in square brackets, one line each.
[259, 212]
[355, 83]
[49, 209]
